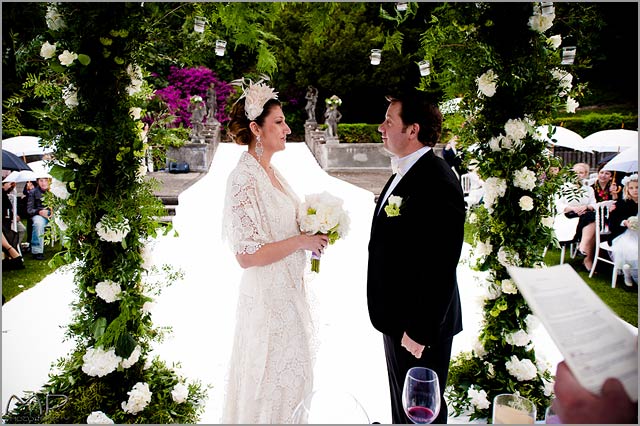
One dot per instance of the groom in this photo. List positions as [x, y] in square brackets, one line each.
[414, 250]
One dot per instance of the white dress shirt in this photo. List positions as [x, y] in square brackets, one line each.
[400, 167]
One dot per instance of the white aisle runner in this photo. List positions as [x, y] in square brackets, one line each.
[201, 307]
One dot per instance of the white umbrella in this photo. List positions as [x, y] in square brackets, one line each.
[614, 140]
[561, 136]
[40, 168]
[25, 145]
[21, 176]
[626, 161]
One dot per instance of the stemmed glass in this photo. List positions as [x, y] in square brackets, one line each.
[421, 395]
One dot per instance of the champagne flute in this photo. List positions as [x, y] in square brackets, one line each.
[421, 395]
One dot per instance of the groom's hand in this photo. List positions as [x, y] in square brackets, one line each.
[412, 346]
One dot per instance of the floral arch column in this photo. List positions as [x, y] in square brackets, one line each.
[499, 58]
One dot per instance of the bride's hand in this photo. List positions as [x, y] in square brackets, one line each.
[315, 243]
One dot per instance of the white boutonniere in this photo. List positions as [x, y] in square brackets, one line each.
[392, 209]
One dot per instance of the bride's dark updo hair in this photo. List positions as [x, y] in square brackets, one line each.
[238, 126]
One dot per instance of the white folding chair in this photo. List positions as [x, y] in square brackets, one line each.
[602, 229]
[465, 181]
[565, 231]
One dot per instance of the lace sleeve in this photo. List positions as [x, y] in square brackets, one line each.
[242, 222]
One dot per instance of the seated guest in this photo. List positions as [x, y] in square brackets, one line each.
[582, 170]
[453, 157]
[623, 223]
[40, 216]
[7, 211]
[12, 259]
[578, 201]
[605, 187]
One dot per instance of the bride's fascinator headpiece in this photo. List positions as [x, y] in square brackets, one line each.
[256, 95]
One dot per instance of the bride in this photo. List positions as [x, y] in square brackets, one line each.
[271, 367]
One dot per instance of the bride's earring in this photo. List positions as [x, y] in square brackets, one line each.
[259, 148]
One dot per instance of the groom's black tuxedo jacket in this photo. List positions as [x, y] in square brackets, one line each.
[411, 282]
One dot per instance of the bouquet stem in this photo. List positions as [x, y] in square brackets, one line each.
[315, 262]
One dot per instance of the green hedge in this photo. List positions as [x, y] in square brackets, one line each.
[358, 133]
[588, 123]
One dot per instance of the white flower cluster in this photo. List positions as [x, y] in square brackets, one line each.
[487, 83]
[478, 349]
[66, 58]
[70, 96]
[522, 370]
[98, 418]
[555, 41]
[54, 18]
[48, 51]
[508, 257]
[478, 398]
[519, 338]
[98, 362]
[515, 129]
[508, 286]
[59, 189]
[482, 249]
[526, 203]
[108, 291]
[139, 398]
[323, 213]
[572, 105]
[493, 291]
[180, 393]
[133, 358]
[565, 80]
[256, 95]
[539, 22]
[548, 221]
[135, 74]
[110, 230]
[494, 188]
[525, 179]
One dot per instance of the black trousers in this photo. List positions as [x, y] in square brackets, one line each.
[400, 360]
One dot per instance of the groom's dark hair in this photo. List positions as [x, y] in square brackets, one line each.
[417, 108]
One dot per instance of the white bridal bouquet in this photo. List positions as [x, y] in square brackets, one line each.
[323, 214]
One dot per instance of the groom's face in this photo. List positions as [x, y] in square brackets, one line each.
[393, 131]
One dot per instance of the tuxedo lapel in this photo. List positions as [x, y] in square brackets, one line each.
[381, 197]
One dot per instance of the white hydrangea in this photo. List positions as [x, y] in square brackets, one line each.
[572, 105]
[493, 189]
[48, 50]
[112, 231]
[108, 291]
[133, 358]
[532, 322]
[66, 58]
[98, 363]
[548, 221]
[555, 41]
[59, 189]
[509, 287]
[526, 203]
[487, 83]
[180, 393]
[541, 23]
[478, 349]
[515, 129]
[525, 179]
[478, 398]
[98, 418]
[518, 338]
[135, 74]
[54, 19]
[482, 249]
[522, 370]
[70, 96]
[139, 398]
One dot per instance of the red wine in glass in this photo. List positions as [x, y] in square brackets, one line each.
[421, 395]
[421, 415]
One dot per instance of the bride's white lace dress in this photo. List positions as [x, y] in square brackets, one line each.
[271, 368]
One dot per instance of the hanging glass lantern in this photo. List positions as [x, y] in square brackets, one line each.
[425, 68]
[547, 8]
[402, 6]
[199, 23]
[568, 55]
[221, 46]
[376, 56]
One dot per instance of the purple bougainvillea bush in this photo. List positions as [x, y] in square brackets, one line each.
[187, 82]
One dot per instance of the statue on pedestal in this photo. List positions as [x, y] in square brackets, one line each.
[332, 116]
[312, 100]
[198, 110]
[212, 105]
